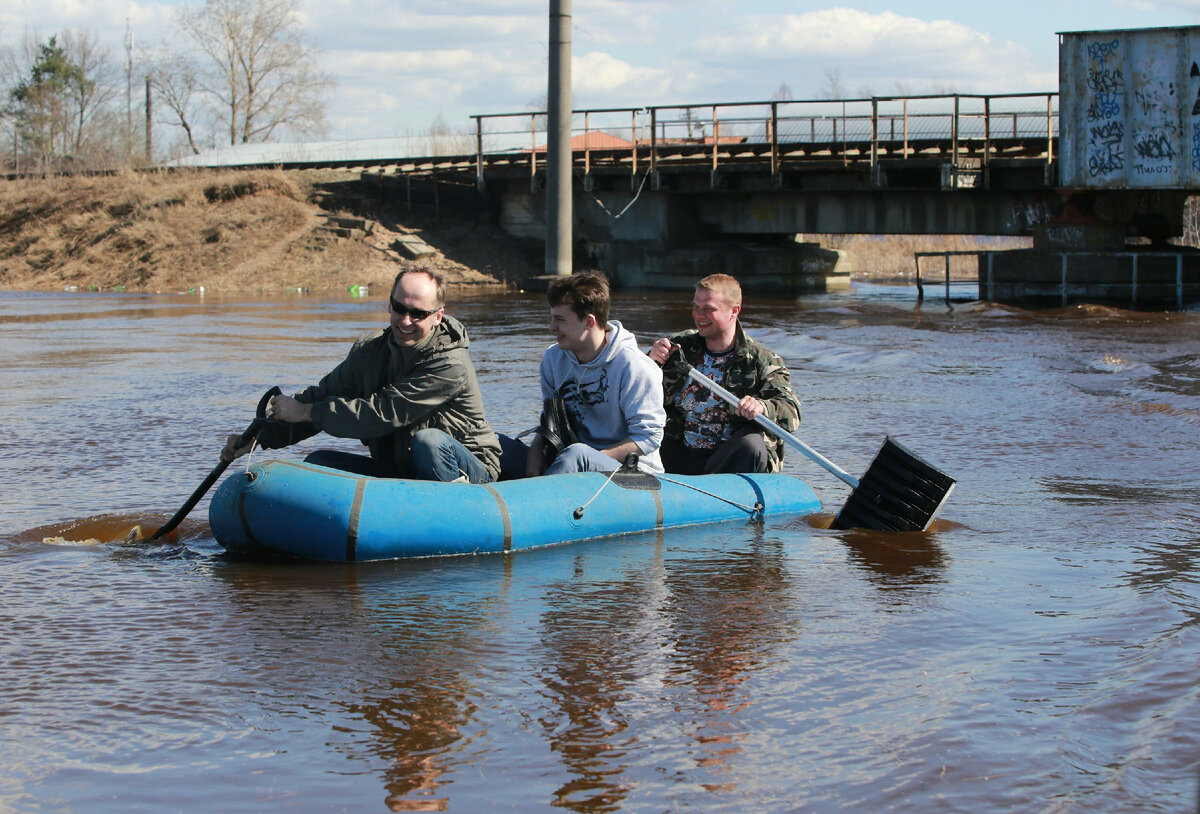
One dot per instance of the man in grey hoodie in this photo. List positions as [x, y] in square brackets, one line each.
[612, 389]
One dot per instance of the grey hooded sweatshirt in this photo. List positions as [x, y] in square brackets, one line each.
[617, 395]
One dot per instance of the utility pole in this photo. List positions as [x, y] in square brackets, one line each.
[149, 123]
[559, 211]
[128, 89]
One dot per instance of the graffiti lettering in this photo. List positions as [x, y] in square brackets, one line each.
[1106, 150]
[1102, 51]
[1106, 165]
[1032, 213]
[1196, 147]
[1104, 106]
[1156, 99]
[1154, 145]
[1192, 74]
[1103, 80]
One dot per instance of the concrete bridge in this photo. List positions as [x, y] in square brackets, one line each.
[664, 195]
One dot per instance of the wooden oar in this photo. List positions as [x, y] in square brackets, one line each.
[260, 418]
[898, 492]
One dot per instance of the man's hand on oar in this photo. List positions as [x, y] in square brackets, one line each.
[661, 350]
[748, 407]
[232, 451]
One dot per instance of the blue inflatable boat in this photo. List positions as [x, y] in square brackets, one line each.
[312, 512]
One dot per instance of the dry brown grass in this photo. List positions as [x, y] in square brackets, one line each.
[890, 257]
[228, 231]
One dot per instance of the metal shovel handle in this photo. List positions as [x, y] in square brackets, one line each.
[775, 429]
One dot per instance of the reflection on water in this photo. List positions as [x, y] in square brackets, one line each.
[1035, 650]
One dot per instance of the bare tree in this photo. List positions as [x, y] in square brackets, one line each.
[38, 101]
[257, 66]
[61, 100]
[782, 94]
[445, 140]
[540, 105]
[91, 93]
[833, 87]
[176, 82]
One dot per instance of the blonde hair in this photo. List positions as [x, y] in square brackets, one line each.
[724, 285]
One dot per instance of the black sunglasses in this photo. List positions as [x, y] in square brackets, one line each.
[414, 313]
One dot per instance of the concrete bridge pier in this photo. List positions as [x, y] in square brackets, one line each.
[1084, 254]
[653, 240]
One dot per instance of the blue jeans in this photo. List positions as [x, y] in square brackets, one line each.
[582, 458]
[435, 456]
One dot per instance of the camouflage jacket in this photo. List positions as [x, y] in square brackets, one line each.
[753, 370]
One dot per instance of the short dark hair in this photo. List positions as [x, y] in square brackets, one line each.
[438, 280]
[586, 293]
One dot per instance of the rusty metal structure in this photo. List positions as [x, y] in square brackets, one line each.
[965, 135]
[1130, 115]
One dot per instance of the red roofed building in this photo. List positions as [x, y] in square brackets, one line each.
[594, 140]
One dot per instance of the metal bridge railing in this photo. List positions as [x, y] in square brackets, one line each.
[868, 129]
[1074, 281]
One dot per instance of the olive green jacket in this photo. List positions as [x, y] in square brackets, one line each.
[753, 370]
[383, 392]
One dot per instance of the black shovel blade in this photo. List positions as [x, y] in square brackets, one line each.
[898, 492]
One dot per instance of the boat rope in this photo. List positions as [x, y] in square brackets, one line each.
[635, 465]
[250, 454]
[754, 511]
[578, 514]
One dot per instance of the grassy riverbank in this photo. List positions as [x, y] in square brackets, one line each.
[261, 231]
[272, 231]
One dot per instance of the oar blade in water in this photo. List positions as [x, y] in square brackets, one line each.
[899, 492]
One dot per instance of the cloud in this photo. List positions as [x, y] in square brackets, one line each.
[879, 51]
[603, 76]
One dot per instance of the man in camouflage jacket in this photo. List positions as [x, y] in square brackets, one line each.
[704, 436]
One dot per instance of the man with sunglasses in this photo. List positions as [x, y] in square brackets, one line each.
[408, 392]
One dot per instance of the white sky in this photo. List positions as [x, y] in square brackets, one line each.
[401, 64]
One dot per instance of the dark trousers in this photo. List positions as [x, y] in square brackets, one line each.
[513, 452]
[746, 451]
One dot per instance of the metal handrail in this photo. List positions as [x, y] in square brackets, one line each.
[984, 278]
[872, 123]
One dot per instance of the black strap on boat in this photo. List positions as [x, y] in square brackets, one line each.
[360, 486]
[504, 515]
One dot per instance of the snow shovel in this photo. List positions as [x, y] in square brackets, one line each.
[898, 492]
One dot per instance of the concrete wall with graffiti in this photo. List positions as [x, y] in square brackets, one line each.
[1129, 105]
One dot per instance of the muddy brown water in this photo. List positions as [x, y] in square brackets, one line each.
[1037, 651]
